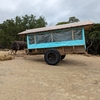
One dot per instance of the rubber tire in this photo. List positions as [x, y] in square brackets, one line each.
[52, 57]
[62, 57]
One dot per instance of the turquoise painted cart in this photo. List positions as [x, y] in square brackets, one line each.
[57, 41]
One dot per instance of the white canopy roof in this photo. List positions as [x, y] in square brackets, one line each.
[86, 24]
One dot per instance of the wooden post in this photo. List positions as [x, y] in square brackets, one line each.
[73, 39]
[51, 37]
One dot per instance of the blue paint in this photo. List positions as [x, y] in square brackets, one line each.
[83, 35]
[58, 44]
[28, 42]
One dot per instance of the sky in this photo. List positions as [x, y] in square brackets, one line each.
[54, 11]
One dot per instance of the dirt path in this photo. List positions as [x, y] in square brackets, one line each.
[77, 77]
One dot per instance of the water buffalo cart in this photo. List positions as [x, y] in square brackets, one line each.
[57, 41]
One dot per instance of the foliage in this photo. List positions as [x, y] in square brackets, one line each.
[59, 23]
[93, 40]
[10, 28]
[71, 20]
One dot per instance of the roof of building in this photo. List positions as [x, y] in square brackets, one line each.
[86, 24]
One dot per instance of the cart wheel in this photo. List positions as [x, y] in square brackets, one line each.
[52, 57]
[62, 57]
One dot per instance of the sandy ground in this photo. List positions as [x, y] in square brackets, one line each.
[77, 77]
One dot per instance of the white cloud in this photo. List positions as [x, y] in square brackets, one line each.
[53, 10]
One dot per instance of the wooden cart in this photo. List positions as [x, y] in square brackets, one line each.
[57, 41]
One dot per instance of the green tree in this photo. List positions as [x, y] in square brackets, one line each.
[93, 40]
[73, 19]
[59, 23]
[40, 22]
[10, 28]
